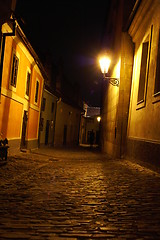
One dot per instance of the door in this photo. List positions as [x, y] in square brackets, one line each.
[24, 128]
[65, 135]
[47, 132]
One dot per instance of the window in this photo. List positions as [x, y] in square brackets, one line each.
[37, 91]
[14, 71]
[52, 109]
[43, 104]
[157, 79]
[90, 120]
[41, 124]
[143, 72]
[28, 83]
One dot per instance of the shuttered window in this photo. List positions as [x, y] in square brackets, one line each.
[14, 71]
[143, 72]
[157, 79]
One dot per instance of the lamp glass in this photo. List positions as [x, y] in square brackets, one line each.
[104, 64]
[98, 119]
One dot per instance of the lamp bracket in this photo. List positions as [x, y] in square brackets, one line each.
[113, 81]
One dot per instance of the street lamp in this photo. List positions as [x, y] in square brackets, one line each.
[104, 65]
[98, 119]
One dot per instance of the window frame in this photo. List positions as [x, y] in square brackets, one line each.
[11, 86]
[36, 95]
[27, 72]
[142, 103]
[156, 95]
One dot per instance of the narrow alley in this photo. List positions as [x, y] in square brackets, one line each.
[77, 194]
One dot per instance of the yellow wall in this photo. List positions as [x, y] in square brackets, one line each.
[33, 124]
[13, 100]
[144, 122]
[115, 106]
[109, 115]
[10, 118]
[109, 121]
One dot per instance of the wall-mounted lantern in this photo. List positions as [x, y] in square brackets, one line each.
[104, 65]
[98, 119]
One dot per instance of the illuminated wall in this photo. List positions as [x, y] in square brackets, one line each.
[14, 101]
[115, 105]
[109, 117]
[144, 117]
[7, 114]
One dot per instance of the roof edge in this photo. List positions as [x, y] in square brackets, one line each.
[133, 13]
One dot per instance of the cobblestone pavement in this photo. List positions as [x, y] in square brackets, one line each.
[80, 195]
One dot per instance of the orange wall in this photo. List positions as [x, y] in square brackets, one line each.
[36, 76]
[33, 124]
[13, 102]
[7, 63]
[22, 69]
[10, 118]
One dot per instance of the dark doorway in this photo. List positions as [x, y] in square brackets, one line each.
[47, 132]
[65, 135]
[24, 127]
[97, 137]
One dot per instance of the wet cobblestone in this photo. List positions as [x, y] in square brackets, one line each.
[77, 195]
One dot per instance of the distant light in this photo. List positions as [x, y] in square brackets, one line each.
[98, 119]
[104, 64]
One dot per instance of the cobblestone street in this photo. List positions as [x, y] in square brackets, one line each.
[65, 194]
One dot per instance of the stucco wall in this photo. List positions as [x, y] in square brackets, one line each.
[10, 123]
[66, 117]
[109, 118]
[13, 101]
[144, 120]
[47, 114]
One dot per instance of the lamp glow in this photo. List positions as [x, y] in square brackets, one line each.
[104, 64]
[98, 119]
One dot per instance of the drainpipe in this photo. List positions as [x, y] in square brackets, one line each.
[4, 35]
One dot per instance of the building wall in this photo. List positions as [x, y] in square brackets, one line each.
[48, 117]
[67, 125]
[109, 120]
[82, 132]
[13, 100]
[7, 114]
[115, 107]
[110, 93]
[126, 70]
[87, 125]
[130, 119]
[144, 117]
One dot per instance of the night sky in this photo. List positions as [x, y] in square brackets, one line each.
[70, 31]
